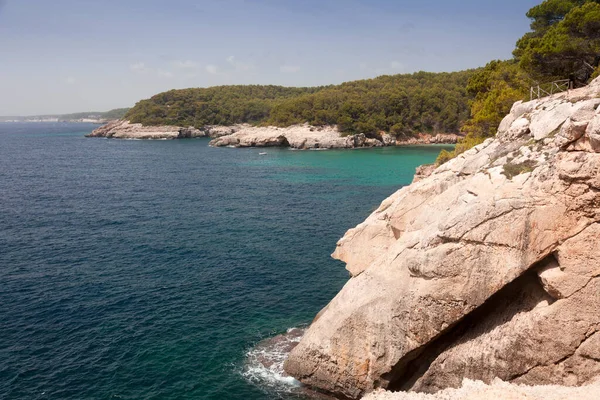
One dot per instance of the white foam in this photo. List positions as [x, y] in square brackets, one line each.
[264, 362]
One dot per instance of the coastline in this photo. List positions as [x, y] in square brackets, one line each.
[300, 137]
[470, 271]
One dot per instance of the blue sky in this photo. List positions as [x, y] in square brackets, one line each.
[60, 56]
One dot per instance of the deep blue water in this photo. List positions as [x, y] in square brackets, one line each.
[149, 269]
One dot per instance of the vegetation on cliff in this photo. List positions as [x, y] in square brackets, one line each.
[400, 104]
[219, 105]
[564, 43]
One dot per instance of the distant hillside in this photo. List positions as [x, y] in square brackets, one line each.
[219, 105]
[401, 104]
[117, 113]
[92, 116]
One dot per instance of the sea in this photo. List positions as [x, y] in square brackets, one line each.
[135, 269]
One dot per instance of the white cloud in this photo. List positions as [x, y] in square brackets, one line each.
[212, 69]
[396, 65]
[165, 74]
[187, 64]
[138, 67]
[70, 80]
[238, 65]
[289, 69]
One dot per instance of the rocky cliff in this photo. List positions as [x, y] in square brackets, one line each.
[487, 268]
[120, 129]
[243, 135]
[326, 137]
[299, 137]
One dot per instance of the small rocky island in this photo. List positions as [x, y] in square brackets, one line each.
[244, 135]
[488, 268]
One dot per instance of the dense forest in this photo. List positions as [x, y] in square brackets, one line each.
[400, 104]
[219, 105]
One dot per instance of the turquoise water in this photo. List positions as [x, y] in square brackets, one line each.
[140, 269]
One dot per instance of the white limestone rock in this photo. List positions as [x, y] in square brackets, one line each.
[472, 270]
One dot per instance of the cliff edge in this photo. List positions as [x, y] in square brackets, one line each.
[120, 129]
[488, 268]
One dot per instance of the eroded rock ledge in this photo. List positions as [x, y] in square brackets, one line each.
[299, 137]
[487, 268]
[243, 135]
[126, 130]
[326, 137]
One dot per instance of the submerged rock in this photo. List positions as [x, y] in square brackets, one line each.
[487, 268]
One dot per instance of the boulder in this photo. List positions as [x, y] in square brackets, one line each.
[388, 140]
[545, 121]
[423, 172]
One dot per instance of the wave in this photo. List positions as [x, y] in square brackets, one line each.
[264, 363]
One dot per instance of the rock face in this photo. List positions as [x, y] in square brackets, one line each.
[244, 135]
[298, 137]
[488, 268]
[423, 172]
[126, 130]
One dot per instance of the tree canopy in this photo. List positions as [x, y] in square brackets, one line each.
[564, 41]
[219, 105]
[400, 104]
[495, 87]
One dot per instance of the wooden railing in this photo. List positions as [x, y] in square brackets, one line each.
[548, 89]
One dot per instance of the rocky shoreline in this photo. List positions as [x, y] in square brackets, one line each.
[126, 130]
[300, 137]
[485, 268]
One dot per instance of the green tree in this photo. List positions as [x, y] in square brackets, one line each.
[400, 104]
[564, 41]
[496, 88]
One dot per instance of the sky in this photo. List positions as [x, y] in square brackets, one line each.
[63, 56]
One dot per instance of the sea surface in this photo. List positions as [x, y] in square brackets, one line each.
[155, 269]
